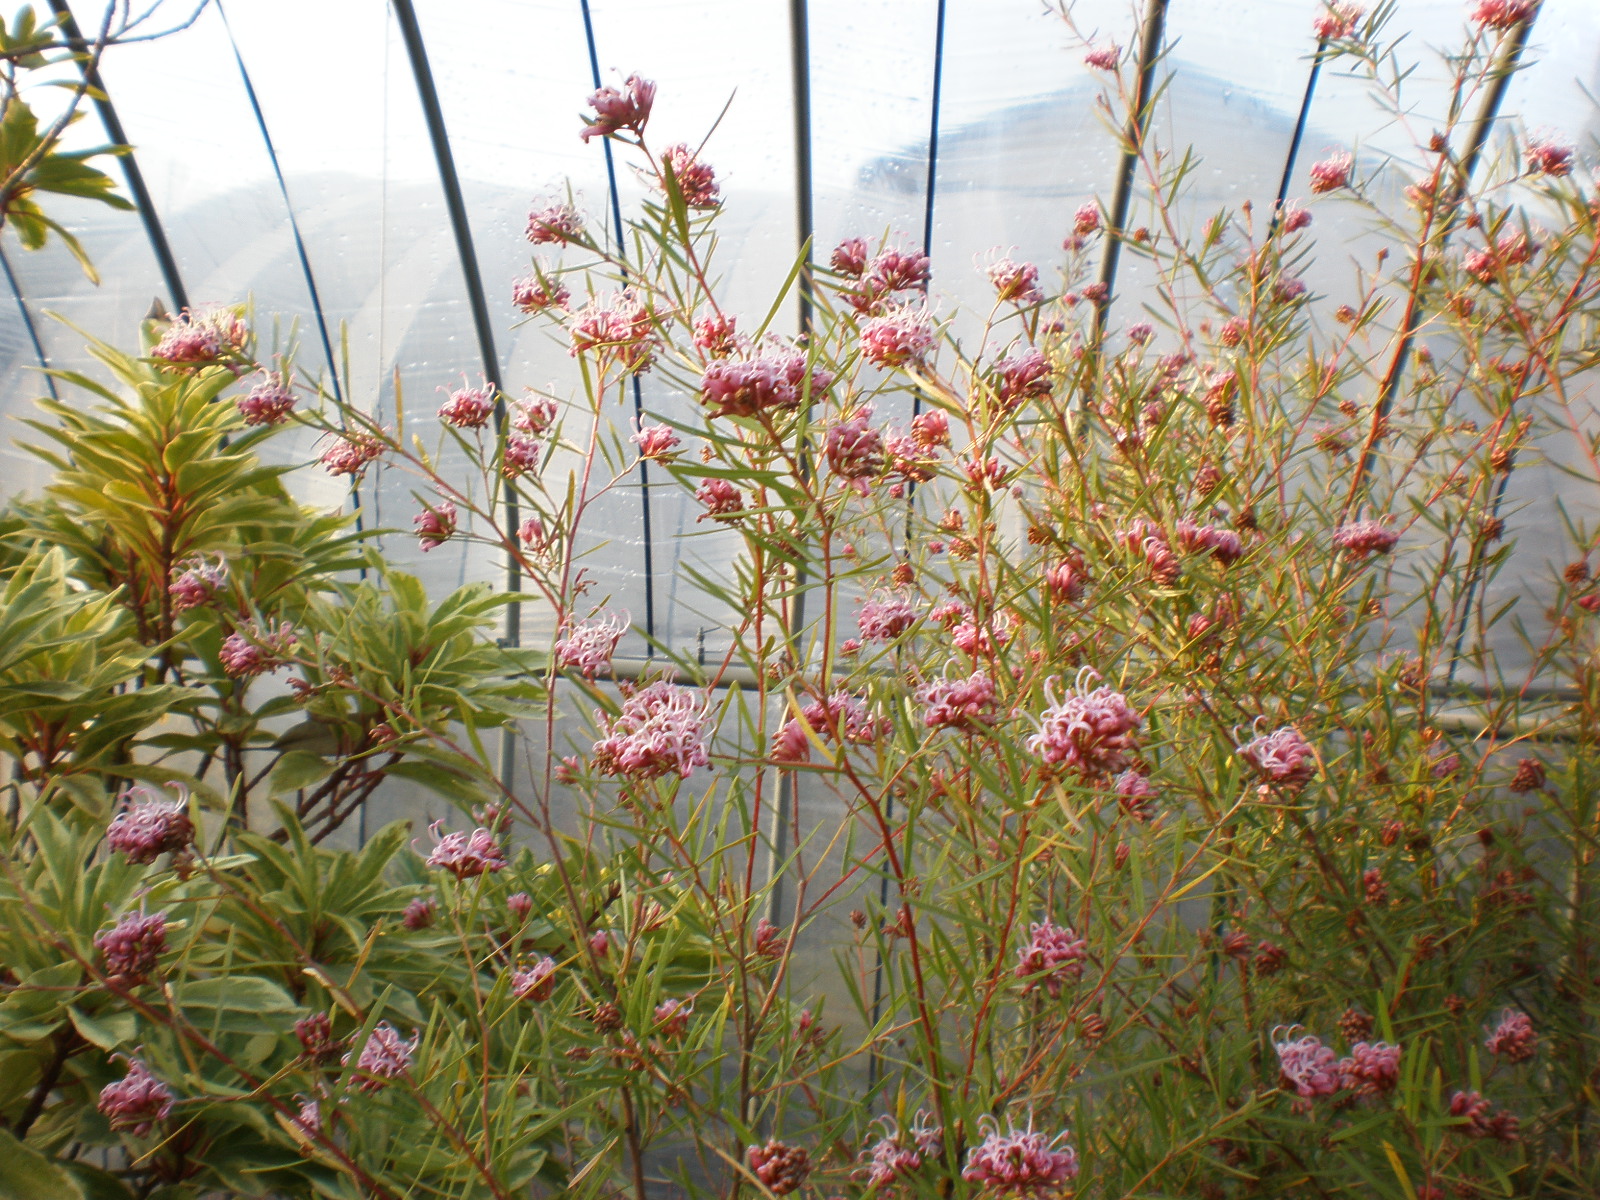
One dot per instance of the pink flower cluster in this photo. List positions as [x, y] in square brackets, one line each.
[1293, 217]
[137, 1101]
[881, 276]
[774, 379]
[967, 704]
[898, 337]
[1020, 1162]
[535, 982]
[619, 327]
[268, 402]
[1481, 1122]
[350, 454]
[1021, 377]
[1548, 158]
[1361, 538]
[1135, 794]
[555, 224]
[657, 442]
[886, 616]
[899, 1153]
[149, 826]
[1509, 250]
[1331, 174]
[672, 1017]
[1282, 756]
[1371, 1069]
[1339, 22]
[435, 525]
[1513, 1038]
[841, 717]
[1307, 1067]
[661, 729]
[717, 335]
[468, 407]
[1223, 544]
[1104, 58]
[723, 501]
[1090, 732]
[196, 582]
[466, 855]
[255, 649]
[536, 292]
[131, 948]
[587, 646]
[695, 179]
[384, 1056]
[855, 452]
[1053, 955]
[1502, 14]
[618, 109]
[199, 338]
[1016, 282]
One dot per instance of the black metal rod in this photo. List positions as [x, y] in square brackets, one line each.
[647, 529]
[456, 207]
[1299, 135]
[153, 229]
[804, 199]
[294, 224]
[1155, 23]
[27, 323]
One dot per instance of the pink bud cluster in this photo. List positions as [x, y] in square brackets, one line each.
[1135, 794]
[1361, 538]
[898, 337]
[536, 982]
[1017, 283]
[435, 525]
[466, 855]
[1021, 377]
[537, 292]
[1501, 15]
[137, 1101]
[879, 277]
[1474, 1107]
[897, 1154]
[841, 717]
[149, 826]
[257, 649]
[1548, 158]
[1339, 22]
[657, 442]
[196, 582]
[661, 729]
[268, 402]
[618, 326]
[587, 646]
[1053, 956]
[722, 499]
[965, 704]
[778, 1166]
[1089, 732]
[1509, 250]
[384, 1056]
[1223, 544]
[468, 407]
[695, 179]
[1307, 1067]
[555, 224]
[201, 338]
[1331, 174]
[350, 454]
[618, 109]
[130, 949]
[1282, 756]
[855, 451]
[1020, 1162]
[1513, 1039]
[886, 616]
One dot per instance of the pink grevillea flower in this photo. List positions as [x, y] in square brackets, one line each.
[1294, 218]
[1480, 1122]
[534, 982]
[519, 456]
[466, 855]
[1287, 289]
[1307, 1067]
[780, 1167]
[1338, 22]
[1090, 732]
[619, 327]
[717, 335]
[672, 1017]
[1372, 1069]
[131, 948]
[854, 451]
[384, 1056]
[774, 379]
[986, 473]
[1222, 544]
[899, 1152]
[930, 430]
[840, 717]
[886, 616]
[537, 292]
[656, 441]
[1282, 756]
[314, 1032]
[907, 460]
[519, 905]
[898, 337]
[1513, 1038]
[150, 825]
[137, 1101]
[1547, 158]
[1020, 1162]
[1502, 14]
[661, 729]
[419, 914]
[1361, 538]
[1053, 956]
[268, 402]
[435, 525]
[255, 649]
[850, 257]
[1086, 219]
[1021, 377]
[1141, 332]
[1331, 174]
[351, 454]
[196, 582]
[308, 1120]
[790, 744]
[618, 109]
[967, 704]
[722, 499]
[198, 338]
[695, 179]
[555, 225]
[468, 407]
[533, 415]
[1065, 580]
[1136, 794]
[587, 646]
[1016, 282]
[1104, 58]
[533, 534]
[890, 271]
[976, 639]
